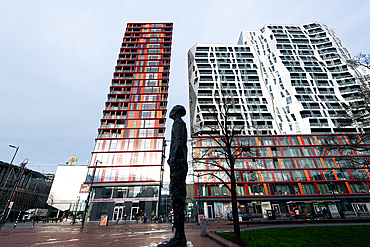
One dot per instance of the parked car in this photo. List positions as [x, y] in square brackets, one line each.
[245, 216]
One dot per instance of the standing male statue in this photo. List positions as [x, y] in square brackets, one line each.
[178, 170]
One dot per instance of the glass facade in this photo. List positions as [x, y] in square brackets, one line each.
[32, 192]
[130, 138]
[281, 169]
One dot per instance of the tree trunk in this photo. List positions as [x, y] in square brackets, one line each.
[234, 205]
[235, 215]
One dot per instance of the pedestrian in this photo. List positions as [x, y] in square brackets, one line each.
[145, 218]
[325, 213]
[125, 216]
[314, 215]
[305, 211]
[33, 220]
[297, 213]
[341, 213]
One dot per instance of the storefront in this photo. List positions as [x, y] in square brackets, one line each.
[117, 201]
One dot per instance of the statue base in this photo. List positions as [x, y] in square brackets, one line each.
[165, 243]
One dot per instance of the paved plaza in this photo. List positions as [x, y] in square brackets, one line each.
[129, 234]
[134, 234]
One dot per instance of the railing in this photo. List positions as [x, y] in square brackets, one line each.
[311, 107]
[319, 124]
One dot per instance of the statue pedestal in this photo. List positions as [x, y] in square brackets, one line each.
[188, 244]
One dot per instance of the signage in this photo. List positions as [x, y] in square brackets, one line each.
[265, 206]
[117, 200]
[104, 220]
[200, 217]
[334, 211]
[84, 188]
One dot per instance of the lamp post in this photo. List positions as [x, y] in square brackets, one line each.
[76, 210]
[11, 162]
[159, 208]
[5, 213]
[88, 196]
[16, 150]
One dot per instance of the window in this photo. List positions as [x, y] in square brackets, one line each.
[132, 133]
[145, 114]
[142, 133]
[281, 189]
[106, 192]
[308, 189]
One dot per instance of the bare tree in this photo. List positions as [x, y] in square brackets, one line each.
[363, 59]
[358, 106]
[223, 151]
[358, 109]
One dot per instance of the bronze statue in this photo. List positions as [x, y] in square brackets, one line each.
[178, 170]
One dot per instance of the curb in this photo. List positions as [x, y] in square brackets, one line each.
[222, 241]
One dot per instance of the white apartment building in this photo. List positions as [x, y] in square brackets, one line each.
[282, 79]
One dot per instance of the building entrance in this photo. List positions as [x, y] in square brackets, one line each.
[361, 208]
[134, 211]
[210, 211]
[118, 213]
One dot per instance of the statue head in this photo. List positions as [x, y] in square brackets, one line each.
[177, 109]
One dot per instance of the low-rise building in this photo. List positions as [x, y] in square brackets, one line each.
[32, 191]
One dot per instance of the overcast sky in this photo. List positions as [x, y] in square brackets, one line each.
[57, 59]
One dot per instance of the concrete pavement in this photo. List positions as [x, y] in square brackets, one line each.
[129, 234]
[134, 234]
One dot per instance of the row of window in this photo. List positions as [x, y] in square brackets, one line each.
[139, 41]
[128, 159]
[289, 140]
[133, 124]
[137, 83]
[286, 152]
[131, 133]
[287, 163]
[135, 98]
[143, 57]
[148, 25]
[284, 175]
[125, 174]
[125, 192]
[128, 145]
[284, 189]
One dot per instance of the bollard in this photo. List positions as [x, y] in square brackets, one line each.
[203, 230]
[15, 225]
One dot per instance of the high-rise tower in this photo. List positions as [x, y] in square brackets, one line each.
[129, 146]
[287, 89]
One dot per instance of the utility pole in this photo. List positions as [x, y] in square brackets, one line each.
[76, 208]
[159, 209]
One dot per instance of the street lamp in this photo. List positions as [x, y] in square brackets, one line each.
[11, 162]
[5, 214]
[12, 146]
[88, 196]
[76, 210]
